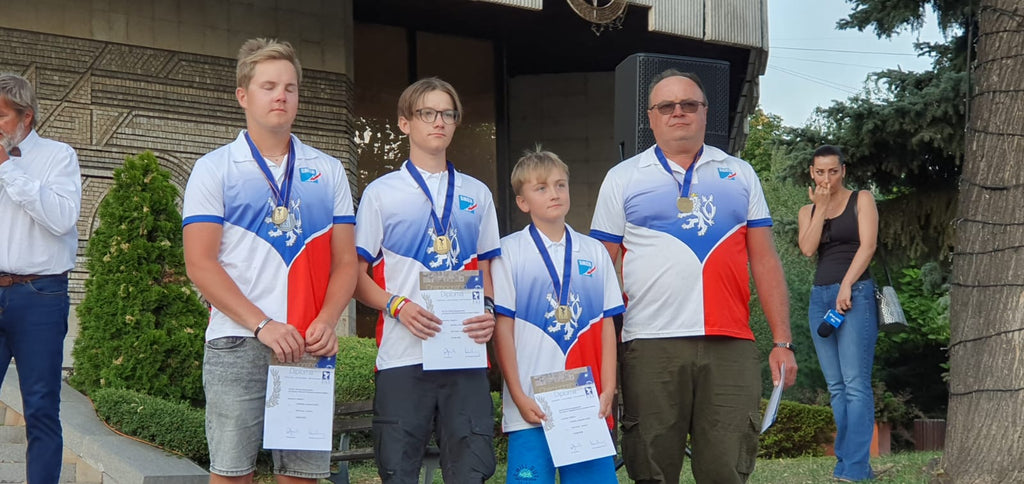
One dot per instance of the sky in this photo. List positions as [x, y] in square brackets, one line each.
[812, 64]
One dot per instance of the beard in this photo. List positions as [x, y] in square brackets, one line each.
[10, 140]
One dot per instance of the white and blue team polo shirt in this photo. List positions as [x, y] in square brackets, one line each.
[393, 234]
[683, 274]
[523, 291]
[283, 270]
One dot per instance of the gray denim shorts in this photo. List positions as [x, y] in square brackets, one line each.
[235, 380]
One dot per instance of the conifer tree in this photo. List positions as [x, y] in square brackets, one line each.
[141, 322]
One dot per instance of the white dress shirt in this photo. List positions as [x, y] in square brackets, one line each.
[40, 199]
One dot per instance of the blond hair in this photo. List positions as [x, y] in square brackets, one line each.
[415, 92]
[254, 51]
[535, 164]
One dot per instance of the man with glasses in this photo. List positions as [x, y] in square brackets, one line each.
[426, 217]
[689, 218]
[40, 198]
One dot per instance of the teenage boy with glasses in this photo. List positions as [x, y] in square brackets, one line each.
[426, 217]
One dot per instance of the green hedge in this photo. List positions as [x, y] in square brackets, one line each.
[500, 440]
[357, 358]
[799, 430]
[174, 426]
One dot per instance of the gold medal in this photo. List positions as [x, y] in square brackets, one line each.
[280, 215]
[442, 245]
[685, 205]
[563, 314]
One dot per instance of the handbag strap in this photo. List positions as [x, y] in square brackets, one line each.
[881, 255]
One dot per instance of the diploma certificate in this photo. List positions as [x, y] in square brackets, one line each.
[574, 430]
[299, 411]
[453, 296]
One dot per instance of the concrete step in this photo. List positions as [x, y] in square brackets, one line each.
[12, 452]
[15, 472]
[12, 435]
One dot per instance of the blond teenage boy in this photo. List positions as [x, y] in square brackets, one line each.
[555, 294]
[426, 217]
[269, 242]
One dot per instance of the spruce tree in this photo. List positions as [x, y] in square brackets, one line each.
[141, 321]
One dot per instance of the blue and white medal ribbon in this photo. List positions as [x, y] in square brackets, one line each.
[683, 203]
[442, 244]
[283, 193]
[562, 313]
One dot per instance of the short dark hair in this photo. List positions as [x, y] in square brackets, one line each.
[672, 72]
[829, 150]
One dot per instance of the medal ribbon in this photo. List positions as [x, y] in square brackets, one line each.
[286, 185]
[440, 226]
[684, 187]
[561, 289]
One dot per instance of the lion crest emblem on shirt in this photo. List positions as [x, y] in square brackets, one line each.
[702, 217]
[291, 228]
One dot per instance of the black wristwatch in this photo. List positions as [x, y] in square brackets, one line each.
[489, 305]
[788, 346]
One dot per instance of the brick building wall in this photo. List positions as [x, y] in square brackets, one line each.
[571, 115]
[110, 100]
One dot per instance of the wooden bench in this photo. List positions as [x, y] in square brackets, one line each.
[352, 417]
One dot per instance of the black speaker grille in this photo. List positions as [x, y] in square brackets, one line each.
[633, 78]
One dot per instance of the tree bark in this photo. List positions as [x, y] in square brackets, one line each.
[985, 435]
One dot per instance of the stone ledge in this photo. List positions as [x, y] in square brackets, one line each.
[121, 460]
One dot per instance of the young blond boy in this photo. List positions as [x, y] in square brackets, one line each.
[555, 294]
[426, 217]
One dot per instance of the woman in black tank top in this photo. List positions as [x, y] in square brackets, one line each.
[841, 227]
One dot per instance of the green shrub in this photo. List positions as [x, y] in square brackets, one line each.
[785, 200]
[141, 321]
[500, 439]
[174, 426]
[357, 358]
[799, 430]
[916, 361]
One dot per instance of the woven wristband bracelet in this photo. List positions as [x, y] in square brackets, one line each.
[401, 304]
[390, 303]
[393, 308]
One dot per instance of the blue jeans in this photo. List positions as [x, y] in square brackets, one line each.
[846, 358]
[33, 322]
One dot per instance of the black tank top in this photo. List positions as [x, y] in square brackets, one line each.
[840, 240]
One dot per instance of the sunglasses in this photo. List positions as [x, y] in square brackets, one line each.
[667, 108]
[449, 116]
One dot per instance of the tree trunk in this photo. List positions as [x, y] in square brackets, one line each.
[985, 437]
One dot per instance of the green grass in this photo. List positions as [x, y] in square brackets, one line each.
[907, 468]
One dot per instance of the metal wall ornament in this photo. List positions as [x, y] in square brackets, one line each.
[602, 14]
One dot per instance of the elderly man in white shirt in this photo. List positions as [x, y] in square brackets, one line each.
[40, 198]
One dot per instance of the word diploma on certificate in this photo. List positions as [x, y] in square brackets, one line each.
[453, 296]
[299, 410]
[573, 428]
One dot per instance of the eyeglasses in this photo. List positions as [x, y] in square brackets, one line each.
[667, 108]
[448, 116]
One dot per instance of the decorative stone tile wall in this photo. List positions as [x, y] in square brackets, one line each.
[110, 100]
